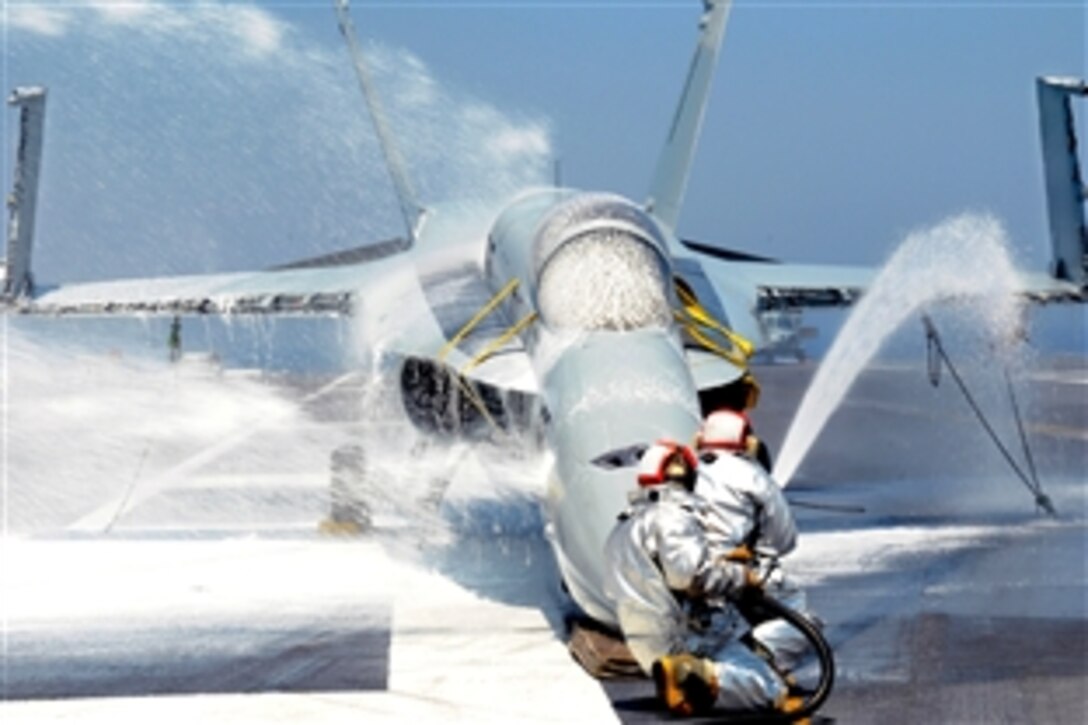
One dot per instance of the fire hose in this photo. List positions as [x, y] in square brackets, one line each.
[757, 606]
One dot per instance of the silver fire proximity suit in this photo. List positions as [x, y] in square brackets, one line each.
[669, 586]
[740, 496]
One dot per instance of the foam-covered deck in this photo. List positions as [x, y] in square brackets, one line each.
[213, 598]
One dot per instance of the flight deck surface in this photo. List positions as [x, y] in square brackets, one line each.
[213, 598]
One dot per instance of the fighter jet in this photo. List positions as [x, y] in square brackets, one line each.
[578, 316]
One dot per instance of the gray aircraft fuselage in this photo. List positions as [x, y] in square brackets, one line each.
[607, 355]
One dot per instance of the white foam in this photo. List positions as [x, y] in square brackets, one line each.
[82, 429]
[825, 555]
[603, 280]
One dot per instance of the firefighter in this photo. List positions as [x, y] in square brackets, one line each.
[671, 587]
[745, 507]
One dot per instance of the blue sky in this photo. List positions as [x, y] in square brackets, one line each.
[835, 128]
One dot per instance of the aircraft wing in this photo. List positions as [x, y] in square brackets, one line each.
[761, 299]
[1043, 288]
[739, 288]
[760, 284]
[412, 306]
[814, 285]
[325, 284]
[802, 285]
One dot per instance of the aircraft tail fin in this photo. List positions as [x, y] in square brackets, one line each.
[22, 203]
[412, 211]
[1065, 190]
[674, 164]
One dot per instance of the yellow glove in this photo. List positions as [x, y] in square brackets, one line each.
[740, 555]
[744, 557]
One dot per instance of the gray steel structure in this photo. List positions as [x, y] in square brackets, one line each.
[1065, 190]
[23, 200]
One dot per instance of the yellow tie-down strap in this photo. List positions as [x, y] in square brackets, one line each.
[492, 347]
[488, 350]
[483, 312]
[698, 323]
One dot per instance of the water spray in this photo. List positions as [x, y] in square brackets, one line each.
[929, 266]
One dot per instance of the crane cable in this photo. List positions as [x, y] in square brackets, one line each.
[935, 354]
